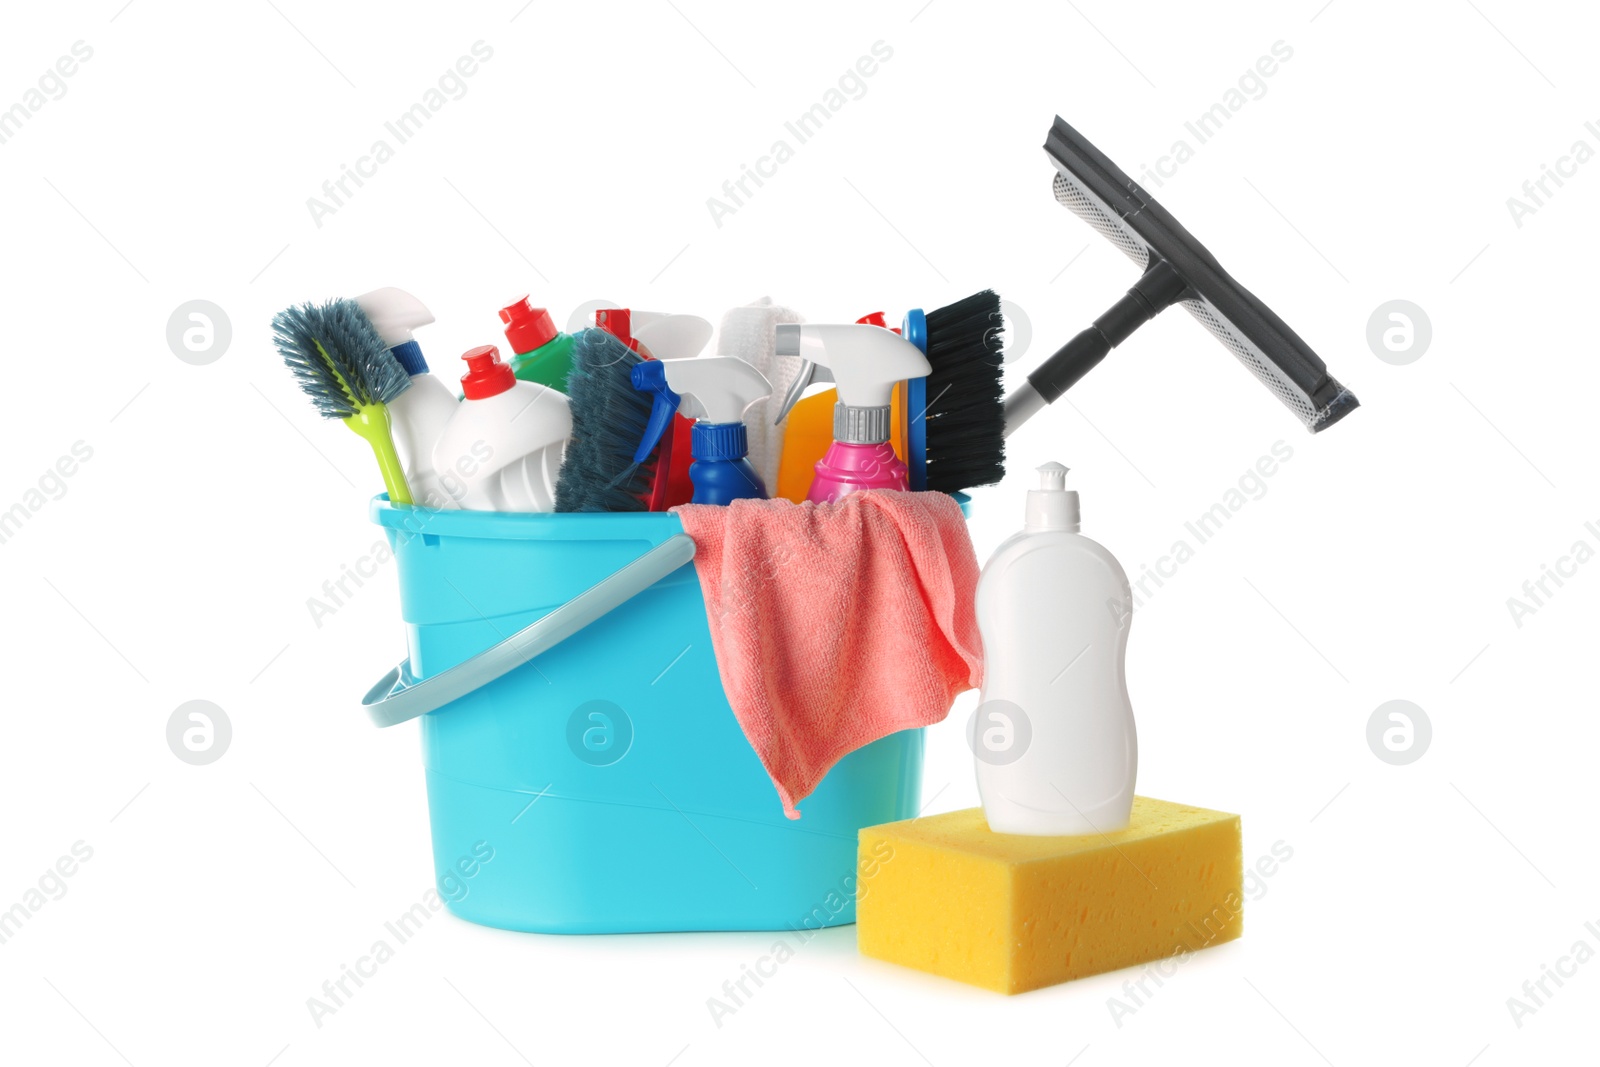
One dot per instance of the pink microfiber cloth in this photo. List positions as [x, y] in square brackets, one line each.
[836, 624]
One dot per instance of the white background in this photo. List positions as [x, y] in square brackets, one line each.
[1377, 565]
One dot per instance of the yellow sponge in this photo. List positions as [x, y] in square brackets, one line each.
[947, 895]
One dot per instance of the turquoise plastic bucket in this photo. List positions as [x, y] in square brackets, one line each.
[608, 774]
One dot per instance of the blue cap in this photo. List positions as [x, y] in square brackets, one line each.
[719, 441]
[409, 353]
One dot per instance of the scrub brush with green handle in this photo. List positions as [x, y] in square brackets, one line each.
[344, 366]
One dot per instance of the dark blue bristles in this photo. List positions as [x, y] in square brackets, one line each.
[370, 372]
[608, 422]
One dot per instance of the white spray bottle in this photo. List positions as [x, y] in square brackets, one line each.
[714, 391]
[504, 444]
[864, 362]
[417, 416]
[1054, 734]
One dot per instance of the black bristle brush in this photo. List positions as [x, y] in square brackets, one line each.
[955, 417]
[608, 421]
[347, 370]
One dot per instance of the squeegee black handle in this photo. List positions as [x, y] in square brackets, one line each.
[1158, 289]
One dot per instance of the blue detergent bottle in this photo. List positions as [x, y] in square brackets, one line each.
[714, 391]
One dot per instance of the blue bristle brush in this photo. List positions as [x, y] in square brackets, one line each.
[609, 417]
[349, 373]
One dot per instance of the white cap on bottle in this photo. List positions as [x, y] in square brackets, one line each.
[1052, 506]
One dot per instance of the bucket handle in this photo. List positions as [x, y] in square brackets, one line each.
[399, 697]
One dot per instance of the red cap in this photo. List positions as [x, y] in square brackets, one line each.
[618, 322]
[527, 327]
[877, 318]
[486, 376]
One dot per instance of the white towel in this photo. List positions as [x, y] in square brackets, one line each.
[750, 332]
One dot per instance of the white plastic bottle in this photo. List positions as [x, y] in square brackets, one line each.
[502, 449]
[1054, 734]
[418, 415]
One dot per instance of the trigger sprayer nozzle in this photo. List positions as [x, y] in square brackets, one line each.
[394, 313]
[650, 377]
[863, 360]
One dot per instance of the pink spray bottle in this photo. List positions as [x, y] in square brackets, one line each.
[864, 362]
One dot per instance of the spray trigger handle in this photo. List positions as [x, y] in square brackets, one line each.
[810, 370]
[650, 377]
[810, 373]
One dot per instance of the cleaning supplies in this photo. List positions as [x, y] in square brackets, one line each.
[502, 449]
[807, 436]
[838, 624]
[955, 417]
[1054, 734]
[670, 336]
[808, 427]
[748, 333]
[418, 415]
[618, 322]
[671, 460]
[615, 750]
[349, 373]
[714, 391]
[864, 362]
[947, 895]
[954, 414]
[656, 334]
[609, 417]
[1177, 269]
[540, 353]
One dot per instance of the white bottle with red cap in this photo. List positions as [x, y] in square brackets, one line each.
[501, 450]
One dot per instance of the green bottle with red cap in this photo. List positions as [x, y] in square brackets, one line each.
[542, 353]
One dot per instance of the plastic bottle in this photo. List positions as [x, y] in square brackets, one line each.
[864, 361]
[667, 336]
[808, 431]
[659, 335]
[502, 448]
[715, 391]
[418, 415]
[542, 355]
[1054, 734]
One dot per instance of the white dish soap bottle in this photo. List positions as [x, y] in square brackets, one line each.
[503, 446]
[1054, 735]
